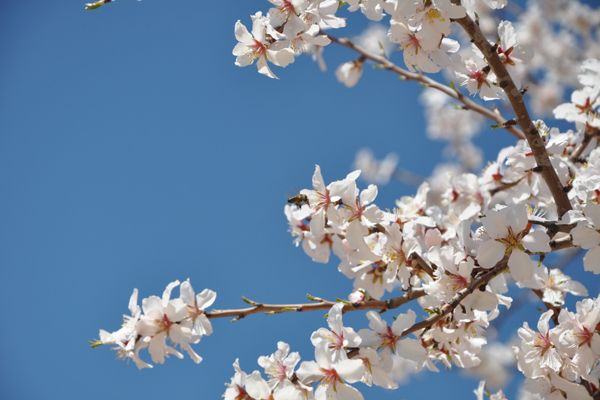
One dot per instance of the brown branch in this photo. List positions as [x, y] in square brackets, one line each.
[589, 134]
[555, 309]
[382, 305]
[515, 98]
[565, 242]
[319, 304]
[552, 226]
[459, 297]
[506, 185]
[428, 82]
[421, 264]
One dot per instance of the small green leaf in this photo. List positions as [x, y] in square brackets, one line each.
[248, 301]
[97, 4]
[312, 298]
[346, 302]
[431, 311]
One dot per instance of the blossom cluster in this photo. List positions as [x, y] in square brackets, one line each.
[457, 245]
[161, 323]
[564, 34]
[373, 356]
[454, 233]
[559, 362]
[421, 29]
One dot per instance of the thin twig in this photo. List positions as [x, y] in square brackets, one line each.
[447, 308]
[552, 226]
[428, 82]
[320, 304]
[589, 134]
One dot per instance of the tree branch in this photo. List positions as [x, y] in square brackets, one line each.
[515, 98]
[428, 82]
[589, 134]
[459, 297]
[319, 304]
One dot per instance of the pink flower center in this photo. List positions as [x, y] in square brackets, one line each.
[389, 339]
[324, 200]
[585, 108]
[497, 176]
[193, 311]
[327, 240]
[413, 41]
[259, 48]
[242, 394]
[338, 342]
[330, 376]
[585, 336]
[513, 240]
[287, 7]
[164, 324]
[542, 342]
[479, 77]
[505, 55]
[303, 227]
[281, 372]
[455, 195]
[458, 282]
[357, 212]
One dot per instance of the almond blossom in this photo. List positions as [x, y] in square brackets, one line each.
[389, 338]
[537, 353]
[259, 46]
[449, 248]
[280, 365]
[506, 232]
[349, 73]
[554, 285]
[337, 339]
[583, 108]
[162, 323]
[246, 386]
[587, 235]
[333, 378]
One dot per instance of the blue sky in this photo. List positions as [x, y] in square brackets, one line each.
[133, 152]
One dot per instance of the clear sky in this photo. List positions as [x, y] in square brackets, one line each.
[133, 152]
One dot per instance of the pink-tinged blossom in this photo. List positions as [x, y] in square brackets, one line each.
[537, 353]
[245, 386]
[506, 232]
[587, 236]
[125, 339]
[580, 338]
[332, 378]
[474, 74]
[259, 46]
[420, 53]
[349, 73]
[583, 108]
[511, 52]
[389, 338]
[377, 368]
[280, 365]
[337, 339]
[324, 198]
[165, 319]
[555, 285]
